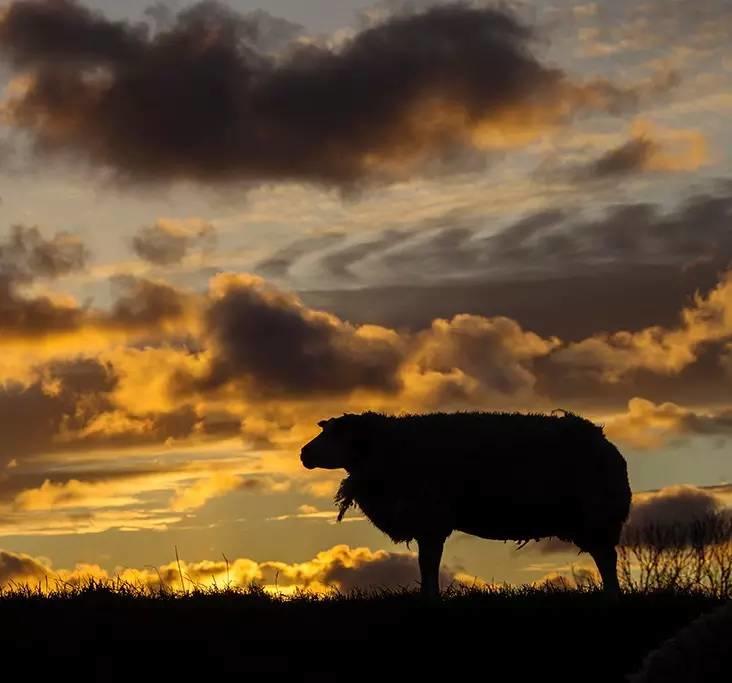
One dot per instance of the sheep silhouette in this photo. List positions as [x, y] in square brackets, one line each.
[503, 476]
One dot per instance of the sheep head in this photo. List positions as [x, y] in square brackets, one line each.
[341, 445]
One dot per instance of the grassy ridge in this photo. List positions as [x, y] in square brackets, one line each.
[104, 632]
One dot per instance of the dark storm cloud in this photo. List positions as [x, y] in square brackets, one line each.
[270, 343]
[166, 243]
[203, 100]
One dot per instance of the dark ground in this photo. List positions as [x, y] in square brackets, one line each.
[520, 636]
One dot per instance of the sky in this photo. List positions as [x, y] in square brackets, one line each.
[222, 223]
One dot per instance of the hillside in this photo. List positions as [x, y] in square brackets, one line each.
[520, 635]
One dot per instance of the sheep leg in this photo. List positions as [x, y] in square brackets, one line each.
[430, 556]
[606, 559]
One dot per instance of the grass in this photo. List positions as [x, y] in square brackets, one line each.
[115, 631]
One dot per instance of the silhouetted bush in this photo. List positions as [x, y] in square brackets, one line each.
[696, 556]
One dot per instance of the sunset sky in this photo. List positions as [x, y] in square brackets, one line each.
[221, 223]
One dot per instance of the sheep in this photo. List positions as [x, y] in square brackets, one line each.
[503, 476]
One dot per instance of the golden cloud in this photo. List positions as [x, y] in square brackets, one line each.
[339, 568]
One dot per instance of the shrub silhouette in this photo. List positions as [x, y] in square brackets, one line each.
[695, 556]
[504, 476]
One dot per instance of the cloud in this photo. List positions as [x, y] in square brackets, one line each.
[680, 516]
[631, 157]
[32, 416]
[217, 365]
[36, 317]
[26, 257]
[519, 268]
[247, 360]
[194, 486]
[677, 505]
[218, 484]
[96, 494]
[650, 425]
[471, 357]
[339, 262]
[74, 405]
[144, 305]
[269, 342]
[312, 513]
[279, 263]
[168, 241]
[650, 149]
[270, 34]
[611, 357]
[258, 366]
[633, 29]
[340, 567]
[75, 494]
[78, 523]
[204, 100]
[364, 570]
[19, 569]
[26, 254]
